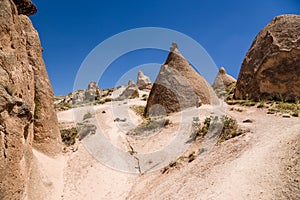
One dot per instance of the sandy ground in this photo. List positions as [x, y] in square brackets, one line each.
[260, 164]
[247, 167]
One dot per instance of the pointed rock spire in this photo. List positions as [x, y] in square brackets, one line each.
[177, 86]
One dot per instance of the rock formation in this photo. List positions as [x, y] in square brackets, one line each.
[177, 86]
[143, 81]
[271, 68]
[223, 79]
[27, 116]
[131, 91]
[130, 82]
[93, 92]
[222, 82]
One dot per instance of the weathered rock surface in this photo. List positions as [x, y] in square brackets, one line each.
[143, 81]
[271, 68]
[25, 7]
[27, 116]
[178, 86]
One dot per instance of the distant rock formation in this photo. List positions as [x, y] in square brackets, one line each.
[271, 68]
[130, 82]
[223, 79]
[131, 91]
[27, 115]
[93, 92]
[143, 81]
[177, 86]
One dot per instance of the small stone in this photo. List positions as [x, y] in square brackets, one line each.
[248, 121]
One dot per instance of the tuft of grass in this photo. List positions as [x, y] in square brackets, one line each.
[246, 102]
[150, 125]
[139, 110]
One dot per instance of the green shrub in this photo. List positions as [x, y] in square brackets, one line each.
[230, 129]
[88, 115]
[69, 136]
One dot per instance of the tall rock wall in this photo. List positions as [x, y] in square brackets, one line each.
[27, 116]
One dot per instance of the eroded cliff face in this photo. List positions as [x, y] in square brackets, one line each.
[27, 116]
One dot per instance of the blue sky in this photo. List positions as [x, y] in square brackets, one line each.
[70, 30]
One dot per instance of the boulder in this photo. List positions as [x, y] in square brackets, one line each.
[143, 81]
[271, 68]
[27, 115]
[177, 86]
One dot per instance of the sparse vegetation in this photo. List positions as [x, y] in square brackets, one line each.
[150, 125]
[284, 107]
[101, 101]
[230, 91]
[69, 136]
[227, 126]
[242, 102]
[88, 115]
[230, 129]
[139, 110]
[63, 106]
[36, 111]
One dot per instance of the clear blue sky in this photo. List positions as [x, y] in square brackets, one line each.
[69, 30]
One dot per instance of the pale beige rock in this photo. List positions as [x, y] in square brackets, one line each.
[143, 81]
[271, 68]
[130, 82]
[27, 116]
